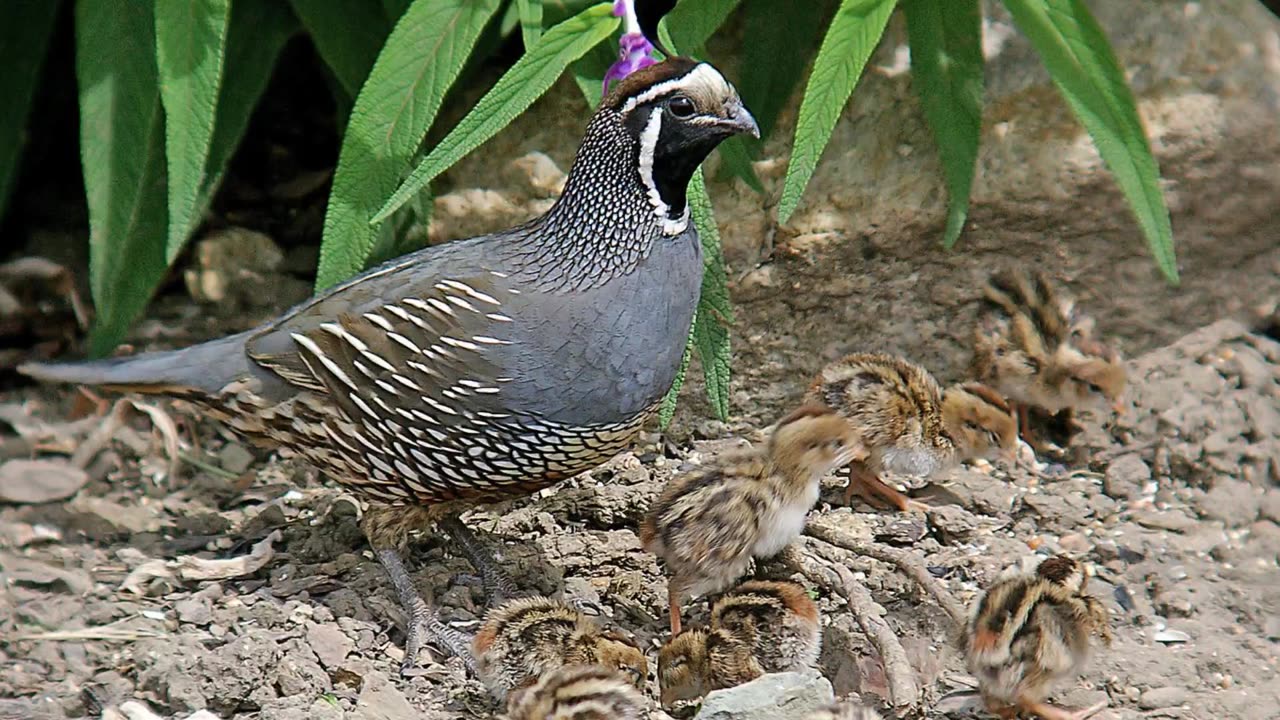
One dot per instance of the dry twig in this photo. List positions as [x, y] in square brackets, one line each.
[907, 563]
[899, 675]
[99, 438]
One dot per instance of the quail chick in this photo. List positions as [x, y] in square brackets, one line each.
[488, 368]
[1037, 349]
[526, 637]
[708, 524]
[844, 711]
[908, 423]
[758, 627]
[1028, 633]
[577, 692]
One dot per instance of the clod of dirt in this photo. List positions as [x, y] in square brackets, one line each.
[775, 696]
[39, 481]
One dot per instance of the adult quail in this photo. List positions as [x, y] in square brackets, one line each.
[486, 368]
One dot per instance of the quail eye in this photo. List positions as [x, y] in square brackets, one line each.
[681, 106]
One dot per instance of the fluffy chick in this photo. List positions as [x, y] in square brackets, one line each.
[577, 692]
[1028, 633]
[525, 638]
[1036, 348]
[707, 525]
[758, 627]
[844, 711]
[908, 423]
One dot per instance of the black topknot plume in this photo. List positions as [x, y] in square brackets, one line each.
[648, 13]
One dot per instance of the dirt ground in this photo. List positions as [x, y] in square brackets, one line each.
[1176, 503]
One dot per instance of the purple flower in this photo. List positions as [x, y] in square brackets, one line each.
[634, 51]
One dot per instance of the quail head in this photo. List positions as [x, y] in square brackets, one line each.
[1028, 633]
[1037, 349]
[908, 423]
[844, 711]
[524, 638]
[486, 368]
[707, 525]
[758, 627]
[577, 692]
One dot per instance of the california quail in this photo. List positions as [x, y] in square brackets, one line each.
[707, 525]
[908, 422]
[1030, 632]
[486, 368]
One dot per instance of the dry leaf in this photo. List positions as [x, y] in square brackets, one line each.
[39, 481]
[190, 567]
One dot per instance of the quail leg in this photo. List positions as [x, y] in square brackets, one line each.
[498, 585]
[866, 484]
[423, 624]
[1022, 414]
[1052, 712]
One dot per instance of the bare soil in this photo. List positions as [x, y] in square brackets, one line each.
[1176, 503]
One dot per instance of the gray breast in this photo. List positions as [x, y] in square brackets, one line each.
[607, 353]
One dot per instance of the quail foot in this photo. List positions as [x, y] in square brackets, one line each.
[908, 423]
[1036, 347]
[487, 368]
[1030, 632]
[707, 525]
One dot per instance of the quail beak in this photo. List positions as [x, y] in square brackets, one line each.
[739, 120]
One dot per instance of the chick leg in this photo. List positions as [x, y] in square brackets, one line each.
[869, 486]
[1052, 712]
[498, 585]
[423, 624]
[673, 602]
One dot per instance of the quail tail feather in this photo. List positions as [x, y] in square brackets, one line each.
[206, 368]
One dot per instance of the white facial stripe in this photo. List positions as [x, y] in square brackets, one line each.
[702, 73]
[648, 143]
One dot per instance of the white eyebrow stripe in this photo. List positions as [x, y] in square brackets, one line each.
[701, 73]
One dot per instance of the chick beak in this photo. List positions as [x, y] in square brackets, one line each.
[739, 120]
[1118, 407]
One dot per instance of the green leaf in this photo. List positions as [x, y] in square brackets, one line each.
[347, 35]
[1082, 65]
[589, 71]
[191, 37]
[514, 92]
[667, 409]
[715, 311]
[122, 152]
[24, 37]
[258, 31]
[946, 66]
[781, 37]
[530, 21]
[735, 158]
[850, 39]
[395, 108]
[692, 22]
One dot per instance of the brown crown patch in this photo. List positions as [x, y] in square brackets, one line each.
[988, 395]
[645, 78]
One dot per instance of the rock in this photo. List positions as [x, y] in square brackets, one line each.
[329, 644]
[540, 172]
[39, 481]
[1269, 506]
[777, 696]
[1162, 697]
[235, 458]
[1234, 502]
[1125, 476]
[196, 611]
[954, 522]
[380, 700]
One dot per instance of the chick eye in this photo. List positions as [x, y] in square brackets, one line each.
[836, 444]
[681, 106]
[1093, 387]
[972, 426]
